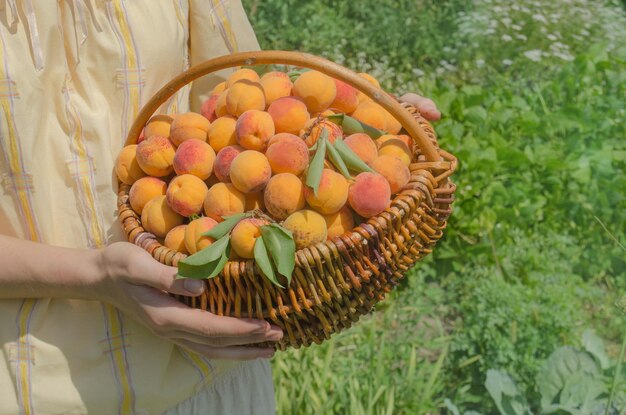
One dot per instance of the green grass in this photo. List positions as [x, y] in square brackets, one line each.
[533, 98]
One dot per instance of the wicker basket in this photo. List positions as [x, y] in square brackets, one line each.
[335, 282]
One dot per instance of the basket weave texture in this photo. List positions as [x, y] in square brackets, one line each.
[335, 282]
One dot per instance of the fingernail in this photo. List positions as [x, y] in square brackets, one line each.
[263, 326]
[275, 335]
[194, 286]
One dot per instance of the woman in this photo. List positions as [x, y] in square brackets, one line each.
[85, 323]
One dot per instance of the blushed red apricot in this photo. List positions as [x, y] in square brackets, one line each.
[287, 153]
[194, 157]
[370, 194]
[155, 156]
[254, 129]
[224, 159]
[185, 194]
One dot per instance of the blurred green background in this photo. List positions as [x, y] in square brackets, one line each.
[533, 96]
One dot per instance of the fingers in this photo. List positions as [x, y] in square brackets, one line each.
[273, 334]
[166, 316]
[425, 106]
[227, 353]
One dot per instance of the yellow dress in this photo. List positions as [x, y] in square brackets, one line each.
[73, 76]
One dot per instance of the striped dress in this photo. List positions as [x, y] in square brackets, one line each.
[73, 76]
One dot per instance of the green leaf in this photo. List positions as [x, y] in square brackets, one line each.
[336, 159]
[505, 394]
[262, 258]
[282, 248]
[561, 365]
[224, 227]
[594, 345]
[206, 263]
[353, 161]
[314, 173]
[351, 125]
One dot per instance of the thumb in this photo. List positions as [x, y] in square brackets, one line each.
[163, 277]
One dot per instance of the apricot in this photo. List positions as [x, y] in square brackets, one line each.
[254, 201]
[284, 194]
[245, 95]
[155, 156]
[254, 129]
[244, 236]
[194, 241]
[158, 218]
[312, 131]
[221, 133]
[346, 99]
[372, 114]
[220, 105]
[363, 146]
[317, 90]
[185, 194]
[158, 125]
[224, 158]
[208, 107]
[194, 157]
[308, 228]
[127, 167]
[276, 85]
[242, 74]
[223, 199]
[386, 138]
[332, 193]
[175, 239]
[394, 170]
[287, 153]
[393, 125]
[187, 126]
[339, 223]
[360, 95]
[396, 148]
[370, 194]
[250, 171]
[290, 115]
[144, 190]
[219, 88]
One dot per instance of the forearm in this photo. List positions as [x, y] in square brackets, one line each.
[34, 270]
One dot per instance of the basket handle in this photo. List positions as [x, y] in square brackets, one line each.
[288, 58]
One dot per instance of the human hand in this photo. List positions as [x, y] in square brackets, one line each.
[138, 285]
[425, 106]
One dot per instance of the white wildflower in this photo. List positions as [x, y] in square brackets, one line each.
[516, 27]
[534, 55]
[507, 38]
[507, 62]
[539, 18]
[480, 62]
[521, 37]
[563, 55]
[490, 31]
[418, 72]
[552, 37]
